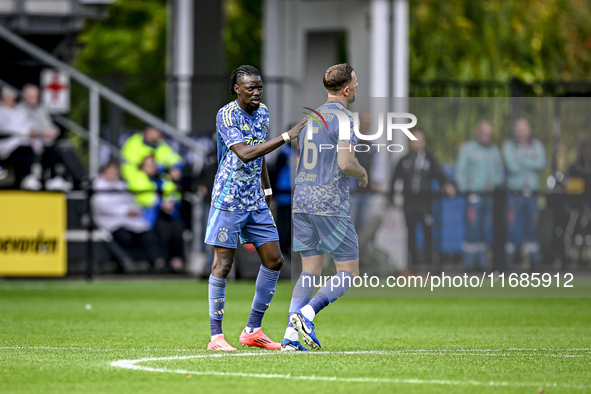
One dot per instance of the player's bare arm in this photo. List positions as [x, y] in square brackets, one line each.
[248, 153]
[349, 164]
[266, 182]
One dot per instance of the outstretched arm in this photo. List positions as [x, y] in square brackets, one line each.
[248, 153]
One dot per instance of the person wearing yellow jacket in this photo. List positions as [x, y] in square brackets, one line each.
[159, 199]
[150, 143]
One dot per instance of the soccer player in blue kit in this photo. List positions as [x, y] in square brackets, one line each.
[321, 219]
[239, 206]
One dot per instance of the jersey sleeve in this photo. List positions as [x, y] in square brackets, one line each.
[228, 127]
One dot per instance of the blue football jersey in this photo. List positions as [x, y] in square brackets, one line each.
[321, 187]
[237, 185]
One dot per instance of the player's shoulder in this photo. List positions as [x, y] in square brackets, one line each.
[232, 106]
[263, 109]
[226, 113]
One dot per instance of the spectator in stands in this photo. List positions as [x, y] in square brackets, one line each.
[479, 171]
[159, 199]
[115, 210]
[417, 170]
[359, 197]
[48, 132]
[524, 159]
[150, 143]
[17, 140]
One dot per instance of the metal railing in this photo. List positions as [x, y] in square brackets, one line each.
[96, 92]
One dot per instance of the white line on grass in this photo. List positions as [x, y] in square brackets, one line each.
[454, 352]
[132, 364]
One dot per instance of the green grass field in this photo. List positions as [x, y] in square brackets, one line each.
[64, 336]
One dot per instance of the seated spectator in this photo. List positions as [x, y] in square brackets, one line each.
[17, 140]
[115, 211]
[48, 132]
[159, 198]
[150, 143]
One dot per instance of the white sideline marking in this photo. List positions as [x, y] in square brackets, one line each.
[466, 352]
[132, 364]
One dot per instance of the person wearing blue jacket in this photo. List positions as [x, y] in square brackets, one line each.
[525, 158]
[479, 171]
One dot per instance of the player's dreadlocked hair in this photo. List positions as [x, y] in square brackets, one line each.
[239, 73]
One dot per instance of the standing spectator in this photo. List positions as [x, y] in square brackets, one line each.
[159, 199]
[48, 132]
[479, 171]
[17, 136]
[524, 159]
[418, 170]
[115, 211]
[359, 197]
[150, 143]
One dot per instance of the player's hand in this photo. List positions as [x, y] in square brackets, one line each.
[295, 131]
[268, 199]
[362, 181]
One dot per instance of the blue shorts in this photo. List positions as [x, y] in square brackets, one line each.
[224, 228]
[314, 235]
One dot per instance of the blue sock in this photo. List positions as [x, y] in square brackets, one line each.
[217, 300]
[265, 289]
[332, 290]
[302, 292]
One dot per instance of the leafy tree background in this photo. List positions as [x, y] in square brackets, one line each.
[533, 40]
[451, 40]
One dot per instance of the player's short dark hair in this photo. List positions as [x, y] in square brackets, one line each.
[240, 72]
[337, 77]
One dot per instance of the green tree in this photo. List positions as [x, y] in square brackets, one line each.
[533, 40]
[243, 33]
[131, 42]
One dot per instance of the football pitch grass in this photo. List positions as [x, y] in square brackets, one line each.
[123, 336]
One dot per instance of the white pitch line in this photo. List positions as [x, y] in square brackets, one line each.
[455, 352]
[132, 364]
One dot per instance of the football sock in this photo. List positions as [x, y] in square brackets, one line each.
[265, 289]
[291, 334]
[217, 300]
[332, 290]
[302, 293]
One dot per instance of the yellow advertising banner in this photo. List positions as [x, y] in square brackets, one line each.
[32, 234]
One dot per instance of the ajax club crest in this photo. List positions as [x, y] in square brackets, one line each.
[223, 234]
